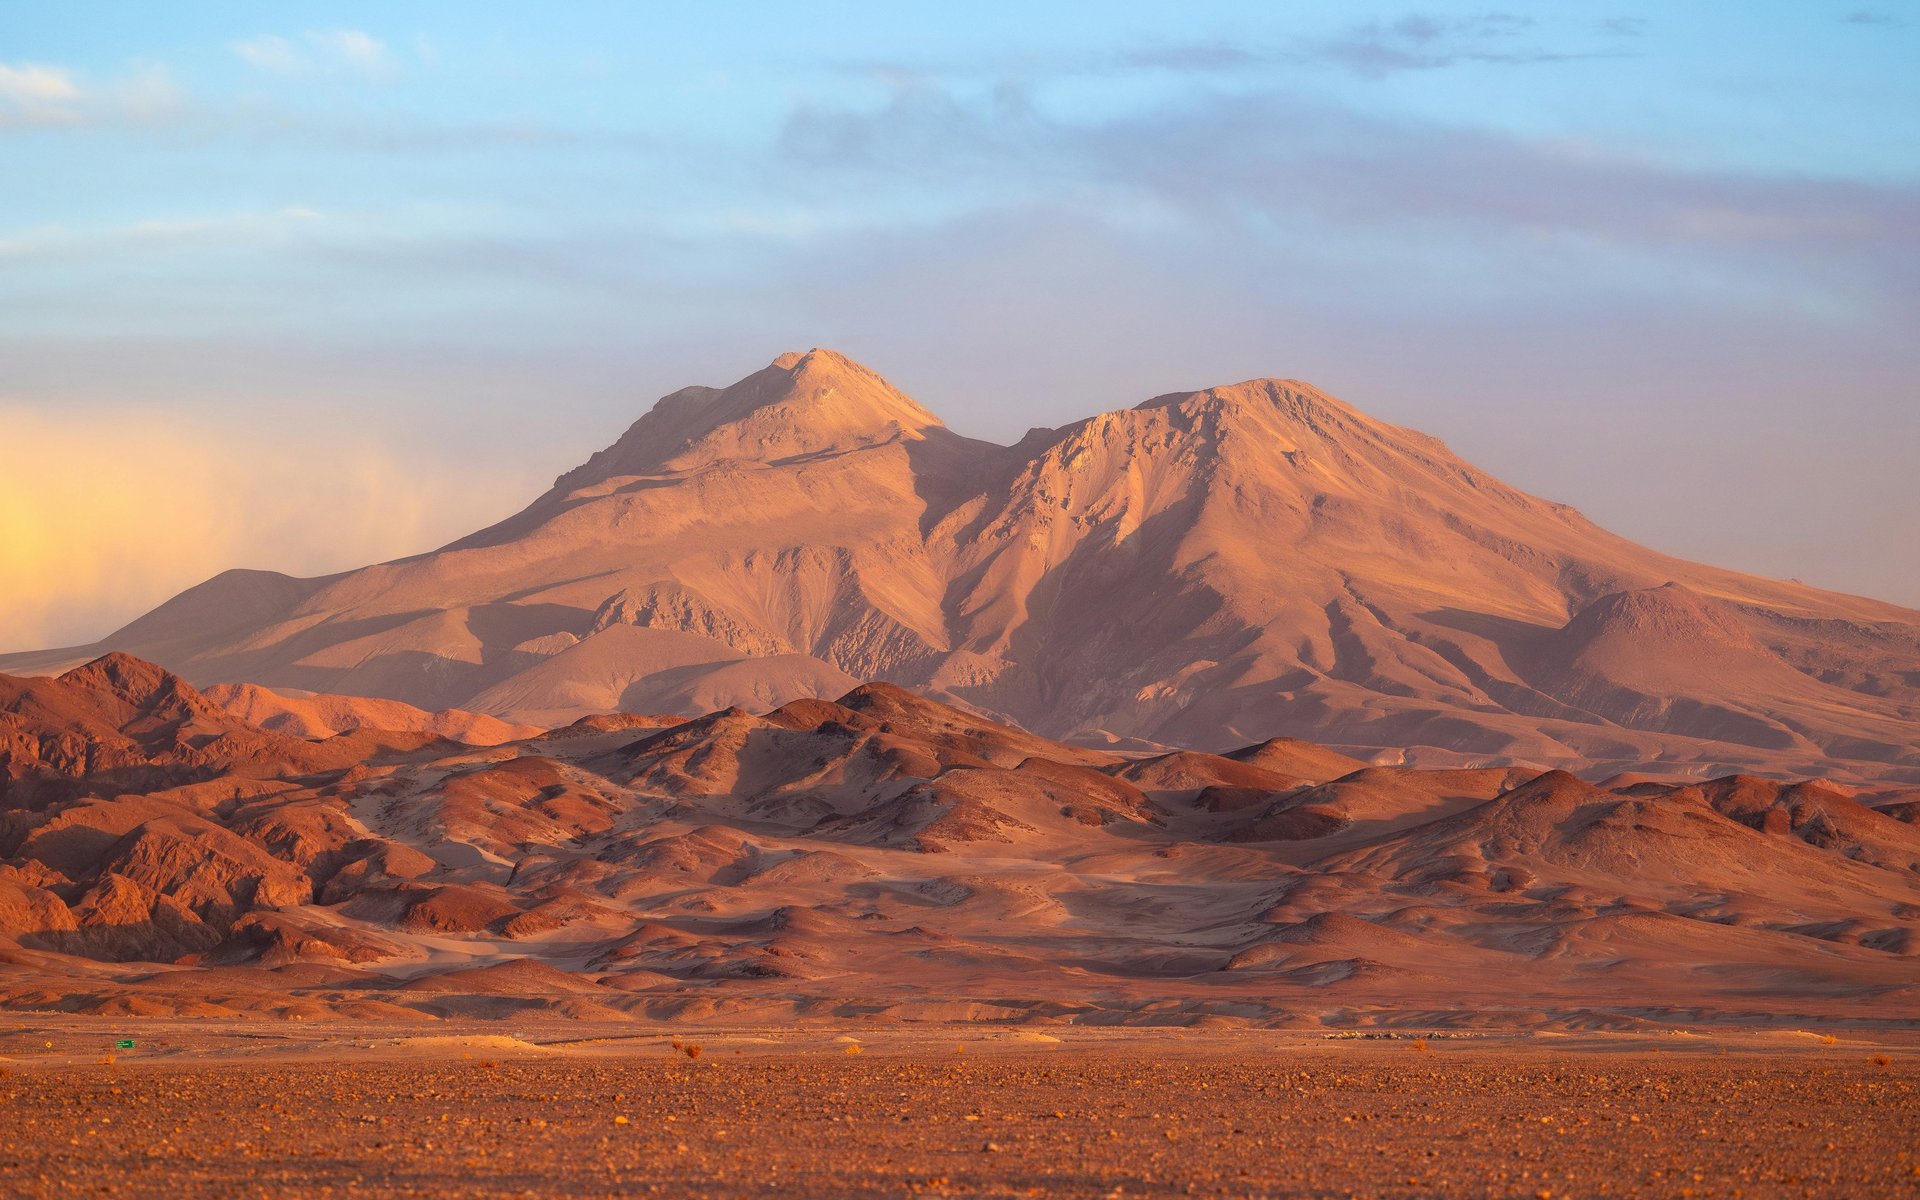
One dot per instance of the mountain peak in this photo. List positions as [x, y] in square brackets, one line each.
[1291, 403]
[135, 681]
[822, 380]
[800, 404]
[822, 359]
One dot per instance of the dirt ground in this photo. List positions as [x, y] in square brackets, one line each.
[966, 1113]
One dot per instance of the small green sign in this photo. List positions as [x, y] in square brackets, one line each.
[123, 1044]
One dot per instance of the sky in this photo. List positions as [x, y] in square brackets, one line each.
[305, 286]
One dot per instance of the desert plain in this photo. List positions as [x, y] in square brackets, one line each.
[566, 1108]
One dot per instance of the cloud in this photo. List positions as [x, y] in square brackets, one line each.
[113, 512]
[56, 245]
[287, 263]
[268, 52]
[359, 50]
[36, 95]
[1632, 27]
[1275, 165]
[318, 51]
[1372, 50]
[1864, 16]
[31, 83]
[1425, 43]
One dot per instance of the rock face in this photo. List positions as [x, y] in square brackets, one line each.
[1213, 568]
[890, 855]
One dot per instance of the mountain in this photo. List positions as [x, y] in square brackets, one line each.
[887, 857]
[1210, 569]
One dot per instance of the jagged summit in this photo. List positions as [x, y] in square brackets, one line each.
[1214, 567]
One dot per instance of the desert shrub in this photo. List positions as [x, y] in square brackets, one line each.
[691, 1050]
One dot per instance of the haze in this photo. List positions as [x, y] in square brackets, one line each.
[304, 287]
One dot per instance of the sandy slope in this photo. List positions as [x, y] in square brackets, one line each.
[891, 858]
[1208, 569]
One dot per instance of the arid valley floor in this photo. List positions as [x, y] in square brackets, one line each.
[216, 1109]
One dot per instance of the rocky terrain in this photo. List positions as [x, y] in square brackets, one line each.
[887, 858]
[1206, 569]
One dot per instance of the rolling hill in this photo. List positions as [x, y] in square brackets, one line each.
[886, 857]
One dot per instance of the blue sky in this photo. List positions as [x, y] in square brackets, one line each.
[369, 275]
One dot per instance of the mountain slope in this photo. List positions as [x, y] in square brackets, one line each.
[1211, 568]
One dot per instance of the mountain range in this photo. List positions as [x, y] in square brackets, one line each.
[1205, 569]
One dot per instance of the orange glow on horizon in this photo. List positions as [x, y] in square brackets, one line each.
[105, 515]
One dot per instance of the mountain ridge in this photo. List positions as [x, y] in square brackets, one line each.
[1211, 567]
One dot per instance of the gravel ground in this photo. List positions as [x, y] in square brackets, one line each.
[1107, 1121]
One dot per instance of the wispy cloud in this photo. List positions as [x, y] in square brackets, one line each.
[1866, 16]
[317, 51]
[54, 244]
[1272, 165]
[31, 83]
[359, 50]
[37, 94]
[1374, 49]
[268, 52]
[1425, 43]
